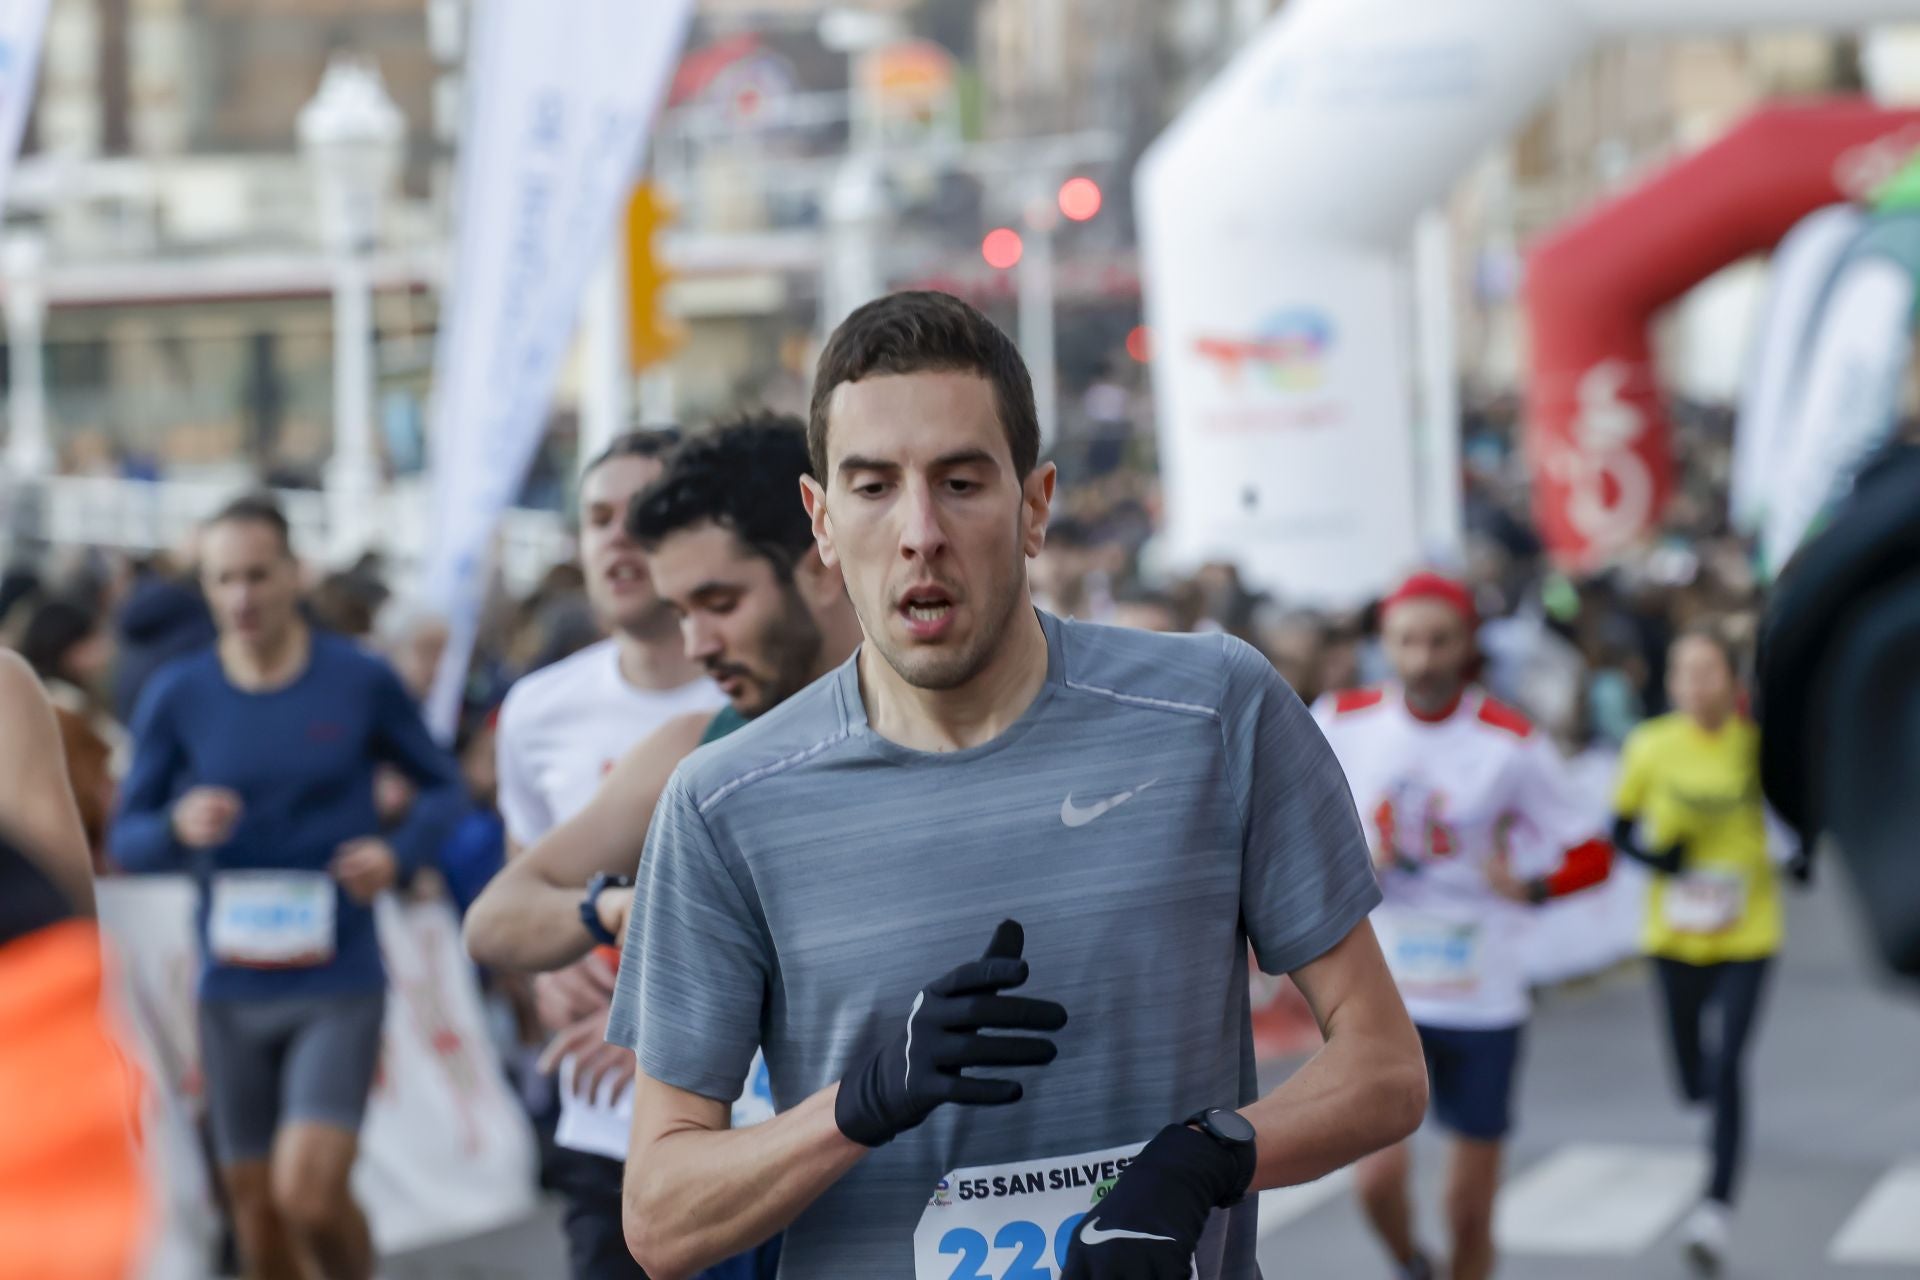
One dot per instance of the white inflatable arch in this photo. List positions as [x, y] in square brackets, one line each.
[1276, 223]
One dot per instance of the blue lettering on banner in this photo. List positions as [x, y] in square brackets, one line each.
[270, 915]
[549, 120]
[1026, 1241]
[1388, 73]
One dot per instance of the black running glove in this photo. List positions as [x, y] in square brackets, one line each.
[1800, 867]
[920, 1068]
[1149, 1225]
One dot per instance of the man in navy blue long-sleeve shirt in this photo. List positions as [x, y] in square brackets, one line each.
[253, 768]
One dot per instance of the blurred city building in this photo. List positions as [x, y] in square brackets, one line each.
[1628, 109]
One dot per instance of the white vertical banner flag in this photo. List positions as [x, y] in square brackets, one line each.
[1803, 271]
[23, 24]
[1849, 402]
[560, 96]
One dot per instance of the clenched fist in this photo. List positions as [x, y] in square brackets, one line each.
[364, 867]
[205, 817]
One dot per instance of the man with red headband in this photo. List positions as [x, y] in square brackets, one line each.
[1473, 819]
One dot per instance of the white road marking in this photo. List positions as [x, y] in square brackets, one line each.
[1885, 1228]
[1598, 1200]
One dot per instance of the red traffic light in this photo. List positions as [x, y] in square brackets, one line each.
[1140, 343]
[1002, 248]
[1079, 198]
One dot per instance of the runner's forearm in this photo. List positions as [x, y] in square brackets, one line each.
[695, 1197]
[405, 743]
[140, 837]
[528, 919]
[1581, 867]
[1361, 1092]
[524, 923]
[417, 841]
[1626, 840]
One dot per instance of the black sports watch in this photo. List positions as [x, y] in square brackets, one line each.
[1236, 1134]
[590, 912]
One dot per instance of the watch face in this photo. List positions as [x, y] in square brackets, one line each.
[1231, 1125]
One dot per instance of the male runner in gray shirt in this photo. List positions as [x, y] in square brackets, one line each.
[821, 885]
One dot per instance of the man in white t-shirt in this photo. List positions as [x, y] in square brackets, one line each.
[561, 730]
[1474, 819]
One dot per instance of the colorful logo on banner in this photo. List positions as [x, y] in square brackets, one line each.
[1288, 352]
[1863, 172]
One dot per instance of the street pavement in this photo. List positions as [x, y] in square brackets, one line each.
[1605, 1161]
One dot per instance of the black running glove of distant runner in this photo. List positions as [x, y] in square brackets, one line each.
[920, 1068]
[1149, 1225]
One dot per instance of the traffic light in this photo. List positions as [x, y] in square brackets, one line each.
[1002, 248]
[652, 334]
[1079, 199]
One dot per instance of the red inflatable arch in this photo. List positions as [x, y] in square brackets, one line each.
[1597, 431]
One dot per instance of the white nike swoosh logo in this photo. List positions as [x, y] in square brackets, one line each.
[1090, 1234]
[918, 1000]
[1075, 816]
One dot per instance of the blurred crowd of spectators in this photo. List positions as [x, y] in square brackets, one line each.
[1583, 656]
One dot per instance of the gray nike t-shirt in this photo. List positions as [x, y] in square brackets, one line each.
[1164, 801]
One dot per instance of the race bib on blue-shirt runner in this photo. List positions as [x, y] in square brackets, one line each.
[271, 919]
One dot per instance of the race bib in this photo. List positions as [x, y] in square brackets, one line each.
[1012, 1221]
[1704, 901]
[271, 919]
[1016, 1221]
[1430, 956]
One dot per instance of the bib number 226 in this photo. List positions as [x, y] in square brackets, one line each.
[1012, 1221]
[1026, 1241]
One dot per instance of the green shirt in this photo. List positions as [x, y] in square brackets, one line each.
[724, 722]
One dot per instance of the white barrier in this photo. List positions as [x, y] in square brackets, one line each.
[446, 1151]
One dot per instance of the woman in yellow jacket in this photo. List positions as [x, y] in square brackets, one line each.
[1688, 805]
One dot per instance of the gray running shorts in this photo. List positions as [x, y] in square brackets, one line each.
[308, 1059]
